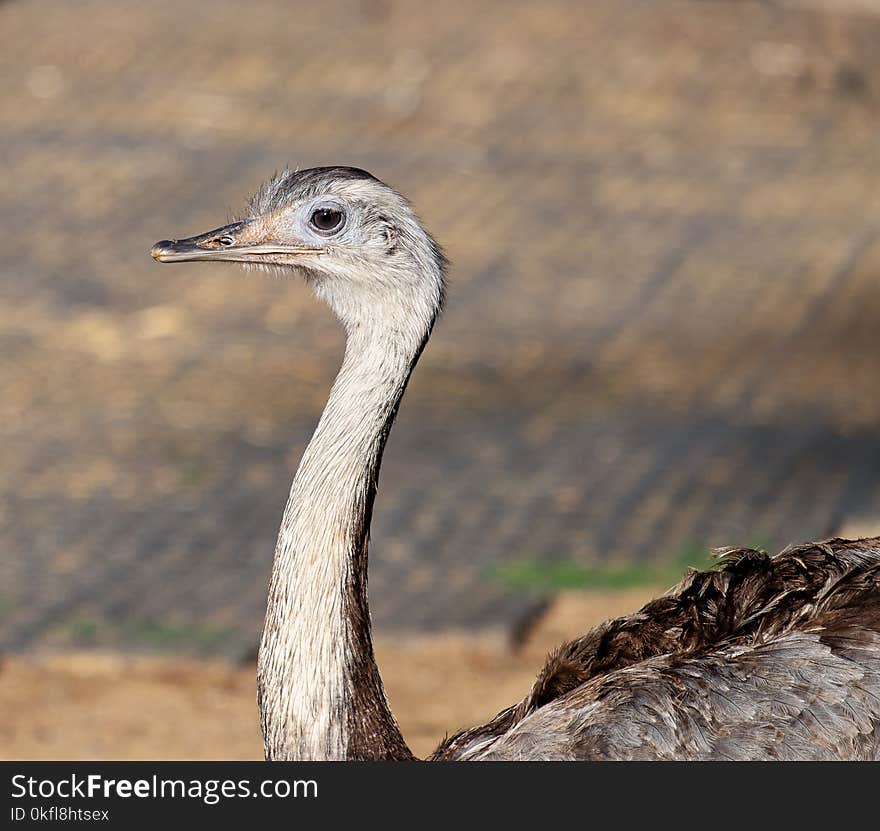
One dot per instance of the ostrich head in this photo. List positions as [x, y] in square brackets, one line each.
[355, 240]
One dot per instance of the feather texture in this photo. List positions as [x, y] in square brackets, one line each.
[762, 658]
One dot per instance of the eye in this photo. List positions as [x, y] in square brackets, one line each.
[226, 239]
[326, 220]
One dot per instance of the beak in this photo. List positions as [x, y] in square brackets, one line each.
[232, 243]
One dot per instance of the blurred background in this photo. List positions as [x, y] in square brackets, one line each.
[662, 331]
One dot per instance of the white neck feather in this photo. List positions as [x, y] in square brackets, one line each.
[316, 653]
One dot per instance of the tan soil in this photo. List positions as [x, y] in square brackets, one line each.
[107, 706]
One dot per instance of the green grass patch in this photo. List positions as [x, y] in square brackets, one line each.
[84, 632]
[166, 636]
[559, 575]
[152, 635]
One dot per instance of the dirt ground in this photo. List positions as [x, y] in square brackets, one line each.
[90, 705]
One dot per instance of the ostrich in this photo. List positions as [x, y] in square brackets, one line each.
[759, 658]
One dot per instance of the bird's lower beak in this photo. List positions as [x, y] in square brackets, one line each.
[234, 243]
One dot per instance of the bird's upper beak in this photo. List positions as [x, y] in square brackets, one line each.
[238, 242]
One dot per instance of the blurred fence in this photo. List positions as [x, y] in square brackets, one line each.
[662, 332]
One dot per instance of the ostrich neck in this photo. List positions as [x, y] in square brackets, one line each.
[320, 693]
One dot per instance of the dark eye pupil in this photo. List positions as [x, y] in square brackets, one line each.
[326, 219]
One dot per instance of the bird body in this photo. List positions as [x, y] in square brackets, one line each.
[763, 658]
[760, 658]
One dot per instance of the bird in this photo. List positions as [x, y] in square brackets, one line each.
[759, 657]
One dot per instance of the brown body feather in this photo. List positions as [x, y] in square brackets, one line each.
[763, 657]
